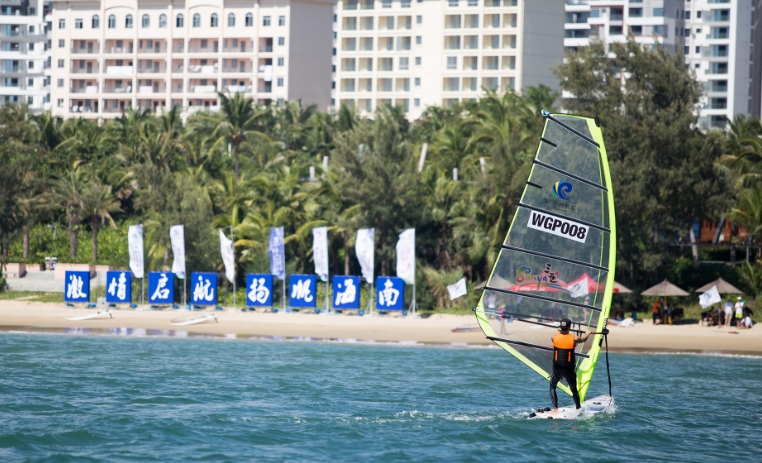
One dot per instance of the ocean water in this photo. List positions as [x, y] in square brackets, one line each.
[110, 398]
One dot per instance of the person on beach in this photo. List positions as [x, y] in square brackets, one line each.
[728, 313]
[564, 361]
[656, 311]
[739, 310]
[745, 323]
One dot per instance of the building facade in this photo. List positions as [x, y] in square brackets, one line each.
[23, 54]
[109, 55]
[713, 35]
[417, 53]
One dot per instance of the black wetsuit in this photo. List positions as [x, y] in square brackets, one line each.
[567, 372]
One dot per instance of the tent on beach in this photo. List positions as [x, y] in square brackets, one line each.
[664, 289]
[621, 289]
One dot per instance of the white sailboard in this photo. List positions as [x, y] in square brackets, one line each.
[558, 258]
[104, 314]
[193, 319]
[590, 407]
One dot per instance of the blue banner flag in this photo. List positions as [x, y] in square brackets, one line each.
[204, 288]
[76, 286]
[119, 287]
[346, 292]
[277, 253]
[303, 291]
[391, 293]
[259, 290]
[161, 288]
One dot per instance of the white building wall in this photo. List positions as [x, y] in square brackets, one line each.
[23, 54]
[442, 51]
[101, 67]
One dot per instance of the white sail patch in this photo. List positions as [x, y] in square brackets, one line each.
[557, 226]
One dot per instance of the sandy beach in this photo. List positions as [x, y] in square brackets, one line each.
[434, 329]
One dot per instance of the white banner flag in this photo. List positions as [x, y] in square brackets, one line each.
[320, 251]
[710, 297]
[364, 247]
[457, 289]
[135, 245]
[406, 256]
[177, 238]
[226, 249]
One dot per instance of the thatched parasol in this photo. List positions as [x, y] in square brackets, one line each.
[621, 289]
[723, 287]
[664, 289]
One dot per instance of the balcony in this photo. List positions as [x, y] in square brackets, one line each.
[90, 90]
[203, 88]
[112, 88]
[119, 50]
[238, 88]
[203, 68]
[120, 70]
[90, 49]
[241, 68]
[717, 51]
[84, 109]
[151, 89]
[208, 49]
[155, 69]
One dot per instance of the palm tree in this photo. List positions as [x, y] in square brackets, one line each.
[748, 212]
[98, 202]
[69, 191]
[237, 121]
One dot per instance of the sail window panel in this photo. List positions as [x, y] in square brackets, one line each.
[571, 153]
[551, 279]
[546, 234]
[535, 311]
[565, 195]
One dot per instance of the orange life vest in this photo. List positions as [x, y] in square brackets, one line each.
[563, 349]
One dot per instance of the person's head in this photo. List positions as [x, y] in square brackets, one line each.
[565, 325]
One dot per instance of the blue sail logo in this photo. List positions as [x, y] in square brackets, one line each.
[562, 189]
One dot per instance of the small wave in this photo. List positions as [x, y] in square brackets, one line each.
[698, 354]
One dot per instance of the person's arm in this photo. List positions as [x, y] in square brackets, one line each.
[583, 338]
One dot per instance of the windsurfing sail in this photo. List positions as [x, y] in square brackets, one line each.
[558, 258]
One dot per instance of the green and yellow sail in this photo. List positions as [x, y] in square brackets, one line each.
[559, 256]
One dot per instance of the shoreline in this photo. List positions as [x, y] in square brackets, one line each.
[434, 330]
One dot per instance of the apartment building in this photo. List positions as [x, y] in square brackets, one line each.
[755, 61]
[110, 55]
[23, 54]
[713, 35]
[417, 53]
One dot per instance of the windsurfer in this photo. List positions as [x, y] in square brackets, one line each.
[564, 361]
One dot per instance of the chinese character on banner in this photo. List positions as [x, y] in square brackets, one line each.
[259, 290]
[203, 288]
[303, 290]
[119, 287]
[161, 288]
[77, 286]
[391, 293]
[346, 292]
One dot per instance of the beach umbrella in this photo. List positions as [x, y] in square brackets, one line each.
[621, 289]
[723, 287]
[664, 289]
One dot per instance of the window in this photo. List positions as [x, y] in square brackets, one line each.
[281, 20]
[658, 12]
[405, 3]
[417, 102]
[60, 102]
[61, 43]
[196, 20]
[490, 62]
[419, 19]
[162, 21]
[386, 3]
[265, 20]
[60, 83]
[231, 20]
[213, 20]
[128, 21]
[30, 99]
[280, 81]
[452, 62]
[417, 81]
[418, 39]
[60, 63]
[96, 21]
[78, 24]
[615, 30]
[417, 60]
[404, 64]
[473, 2]
[145, 21]
[658, 30]
[281, 61]
[452, 3]
[111, 21]
[249, 20]
[281, 41]
[179, 21]
[62, 24]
